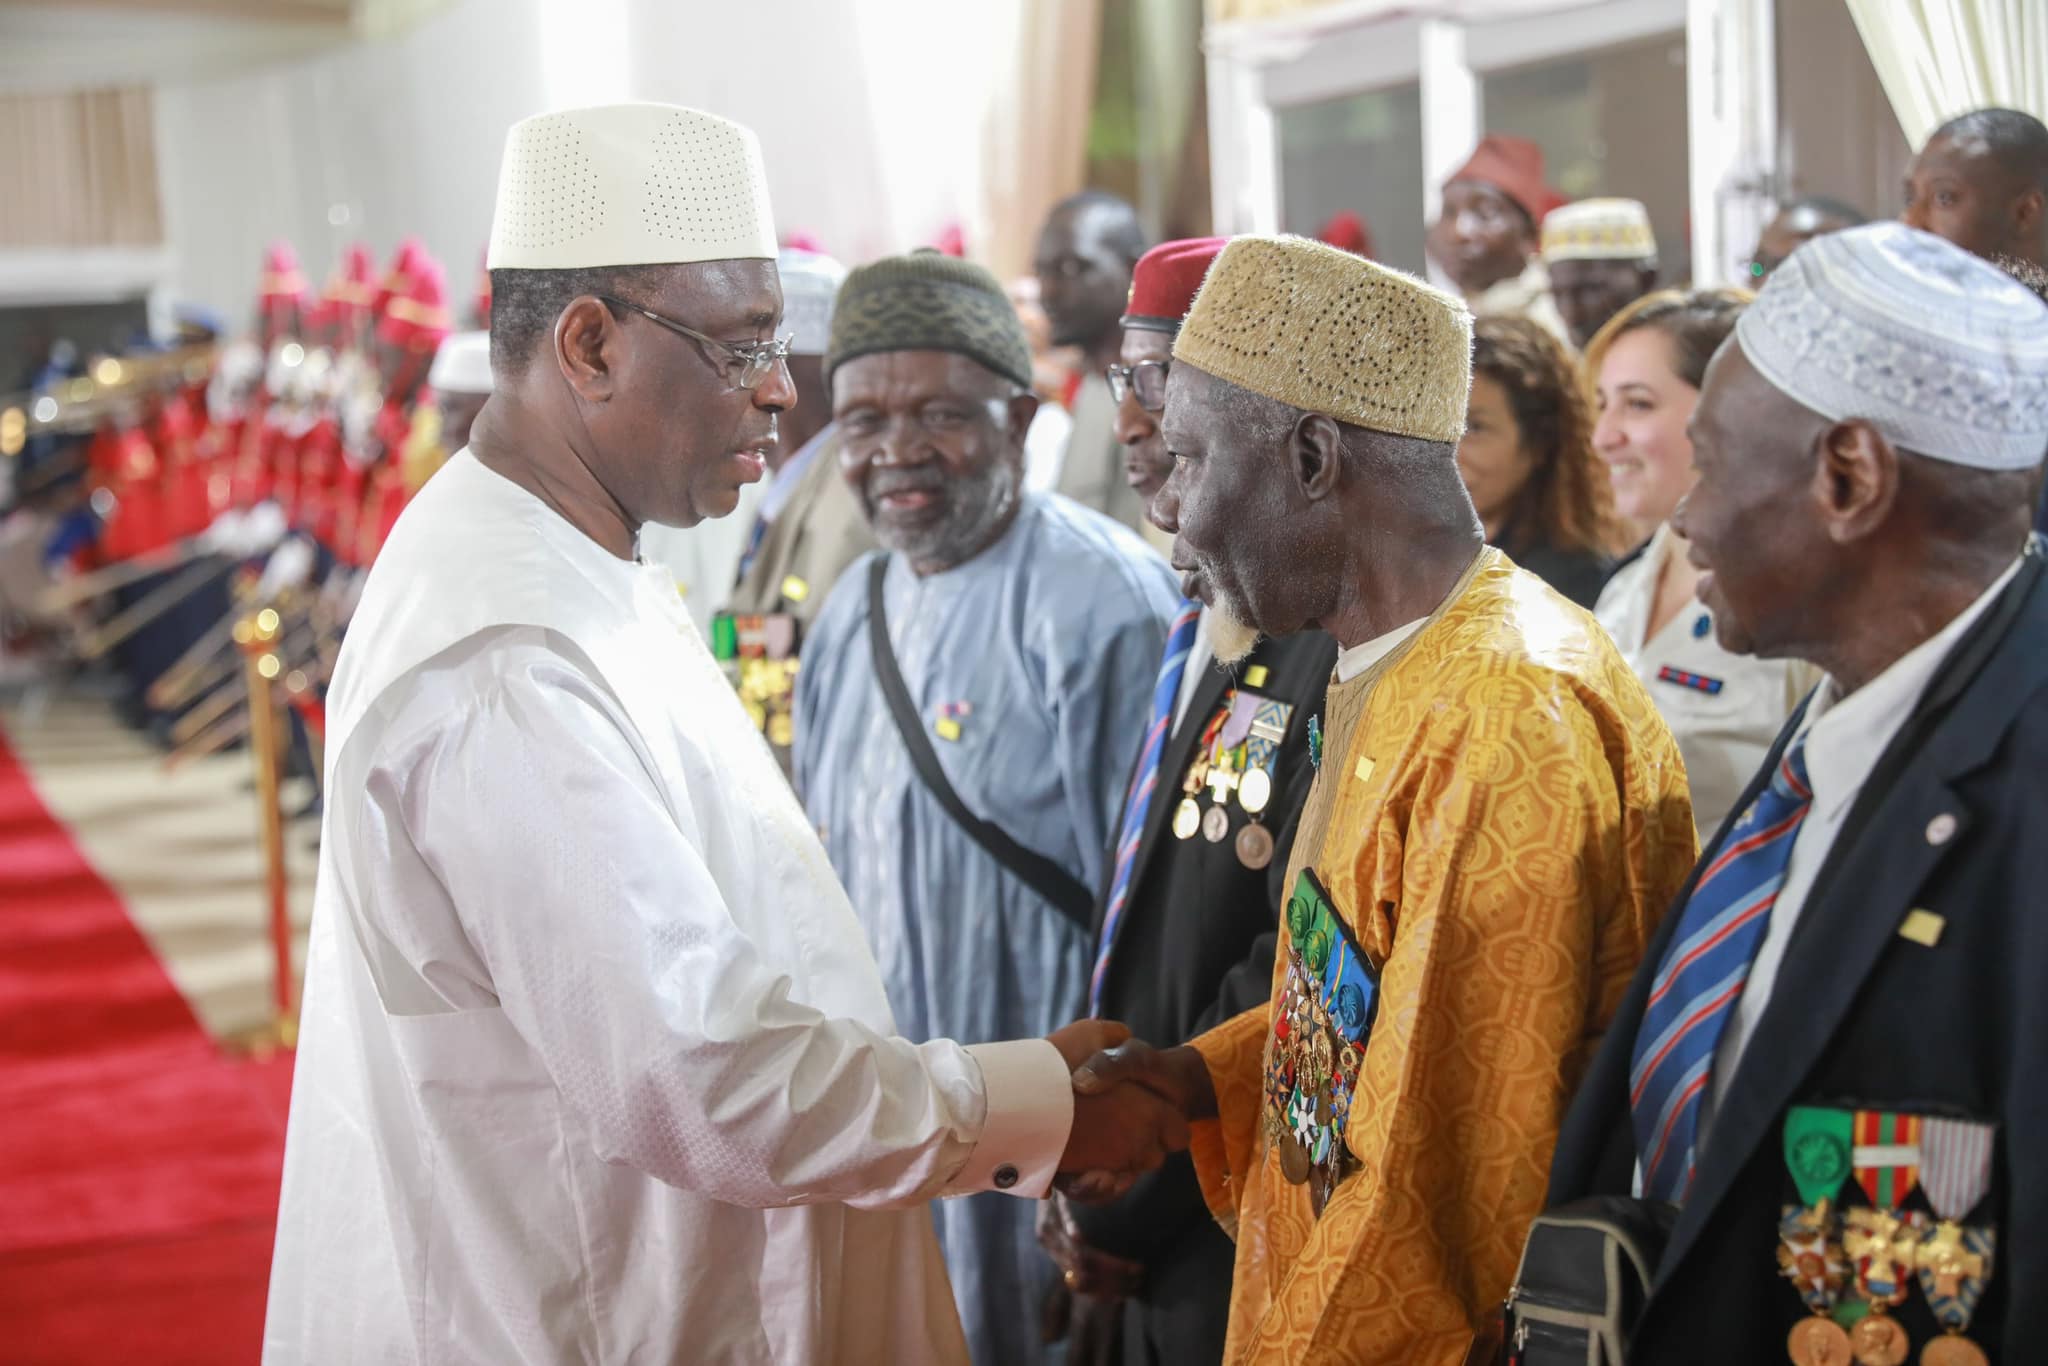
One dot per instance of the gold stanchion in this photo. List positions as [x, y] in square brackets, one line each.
[263, 667]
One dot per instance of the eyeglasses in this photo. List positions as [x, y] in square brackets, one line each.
[755, 359]
[1146, 379]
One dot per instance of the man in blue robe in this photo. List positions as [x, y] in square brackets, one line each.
[1027, 633]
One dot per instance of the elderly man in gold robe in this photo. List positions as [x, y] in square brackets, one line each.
[1498, 819]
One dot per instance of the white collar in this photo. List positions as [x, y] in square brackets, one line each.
[1845, 735]
[1356, 660]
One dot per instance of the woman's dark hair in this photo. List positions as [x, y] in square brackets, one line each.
[1567, 504]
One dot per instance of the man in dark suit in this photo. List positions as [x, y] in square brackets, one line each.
[1835, 1057]
[1186, 926]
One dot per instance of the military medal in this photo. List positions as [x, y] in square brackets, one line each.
[1254, 847]
[1320, 1019]
[1187, 818]
[1954, 1260]
[1254, 791]
[1215, 824]
[1817, 1147]
[1883, 1240]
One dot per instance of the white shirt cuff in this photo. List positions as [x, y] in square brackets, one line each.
[1030, 1097]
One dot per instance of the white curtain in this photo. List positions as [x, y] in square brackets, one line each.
[1034, 124]
[79, 169]
[1941, 58]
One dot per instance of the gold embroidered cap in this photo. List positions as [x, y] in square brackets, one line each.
[1328, 332]
[1599, 230]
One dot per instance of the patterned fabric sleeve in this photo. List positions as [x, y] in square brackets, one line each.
[1226, 1149]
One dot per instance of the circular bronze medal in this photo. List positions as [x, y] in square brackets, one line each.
[1953, 1350]
[1187, 818]
[1215, 824]
[1294, 1164]
[1818, 1341]
[1879, 1341]
[1254, 847]
[1254, 790]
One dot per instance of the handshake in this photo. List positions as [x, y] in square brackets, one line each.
[1132, 1106]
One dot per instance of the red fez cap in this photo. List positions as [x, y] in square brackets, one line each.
[419, 317]
[354, 283]
[397, 281]
[1346, 231]
[1514, 166]
[1165, 281]
[282, 281]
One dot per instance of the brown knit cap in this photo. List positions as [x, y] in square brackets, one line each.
[1328, 332]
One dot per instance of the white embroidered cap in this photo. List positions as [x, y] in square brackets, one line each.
[629, 185]
[810, 282]
[1941, 351]
[462, 365]
[1599, 230]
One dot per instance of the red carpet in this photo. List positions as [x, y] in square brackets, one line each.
[138, 1165]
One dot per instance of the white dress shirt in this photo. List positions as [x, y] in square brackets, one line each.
[595, 1064]
[1845, 737]
[1730, 711]
[1362, 656]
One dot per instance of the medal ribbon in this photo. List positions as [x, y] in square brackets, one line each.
[1817, 1146]
[1883, 1239]
[1954, 1261]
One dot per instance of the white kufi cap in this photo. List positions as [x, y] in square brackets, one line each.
[1599, 230]
[629, 185]
[810, 282]
[462, 365]
[1942, 352]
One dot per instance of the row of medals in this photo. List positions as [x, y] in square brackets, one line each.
[1885, 1248]
[1311, 1072]
[1217, 769]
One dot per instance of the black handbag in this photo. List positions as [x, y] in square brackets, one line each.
[1584, 1279]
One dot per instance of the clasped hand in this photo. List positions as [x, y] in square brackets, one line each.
[1132, 1104]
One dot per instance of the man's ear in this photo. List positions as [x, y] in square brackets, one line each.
[2026, 214]
[587, 342]
[1022, 408]
[1855, 480]
[1315, 450]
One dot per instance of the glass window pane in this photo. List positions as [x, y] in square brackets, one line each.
[1610, 122]
[1359, 152]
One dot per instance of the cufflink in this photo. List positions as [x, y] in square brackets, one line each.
[1006, 1177]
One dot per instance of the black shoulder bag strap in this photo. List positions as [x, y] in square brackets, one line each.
[1067, 894]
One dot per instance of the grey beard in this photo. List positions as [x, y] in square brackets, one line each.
[1231, 637]
[979, 504]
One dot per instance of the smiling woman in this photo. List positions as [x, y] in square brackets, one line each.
[1723, 708]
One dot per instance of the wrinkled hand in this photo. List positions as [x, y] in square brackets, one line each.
[1085, 1270]
[1083, 1039]
[1123, 1131]
[1176, 1075]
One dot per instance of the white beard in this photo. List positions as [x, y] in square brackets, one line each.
[1231, 637]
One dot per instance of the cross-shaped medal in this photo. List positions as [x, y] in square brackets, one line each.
[1876, 1236]
[1222, 782]
[1945, 1255]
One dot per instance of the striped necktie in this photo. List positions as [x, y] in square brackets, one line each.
[1695, 992]
[1165, 694]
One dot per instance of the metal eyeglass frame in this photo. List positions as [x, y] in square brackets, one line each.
[755, 359]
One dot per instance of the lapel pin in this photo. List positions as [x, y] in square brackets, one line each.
[1923, 927]
[1941, 829]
